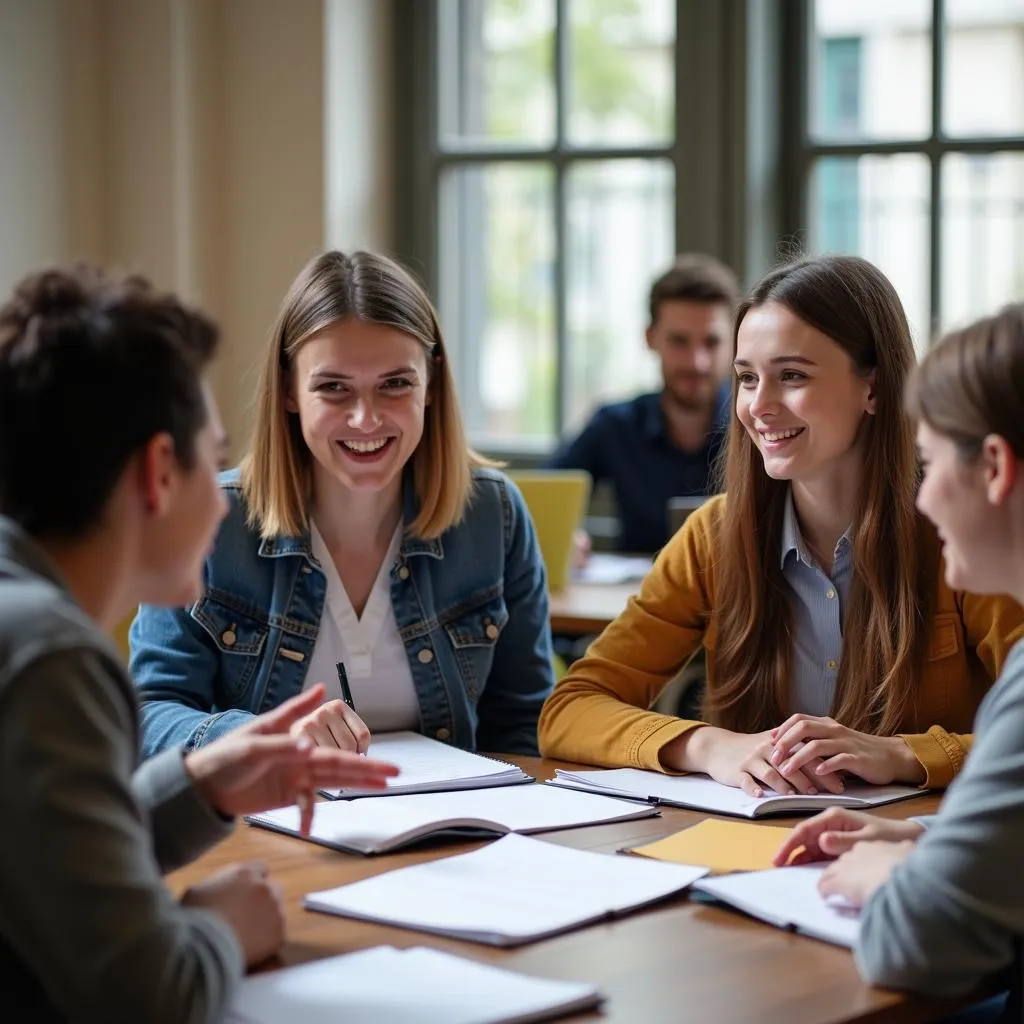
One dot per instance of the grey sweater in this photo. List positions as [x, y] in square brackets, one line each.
[953, 912]
[88, 931]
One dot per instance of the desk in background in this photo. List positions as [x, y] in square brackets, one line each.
[678, 961]
[580, 609]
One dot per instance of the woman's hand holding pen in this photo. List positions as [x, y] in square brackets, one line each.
[336, 726]
[263, 765]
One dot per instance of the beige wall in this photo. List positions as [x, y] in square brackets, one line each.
[34, 147]
[214, 145]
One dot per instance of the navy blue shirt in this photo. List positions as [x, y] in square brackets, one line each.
[628, 445]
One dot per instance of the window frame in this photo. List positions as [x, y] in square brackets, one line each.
[710, 47]
[803, 150]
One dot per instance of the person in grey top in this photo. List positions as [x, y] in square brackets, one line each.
[943, 900]
[109, 446]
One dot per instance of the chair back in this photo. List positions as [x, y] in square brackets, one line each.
[680, 508]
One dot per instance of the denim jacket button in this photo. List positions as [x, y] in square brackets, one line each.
[229, 637]
[442, 733]
[492, 632]
[403, 573]
[426, 656]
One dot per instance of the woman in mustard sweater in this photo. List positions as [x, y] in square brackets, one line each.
[818, 542]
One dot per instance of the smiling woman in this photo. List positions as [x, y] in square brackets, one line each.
[360, 422]
[943, 906]
[833, 643]
[364, 539]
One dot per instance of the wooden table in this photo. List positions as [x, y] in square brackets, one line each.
[680, 961]
[579, 609]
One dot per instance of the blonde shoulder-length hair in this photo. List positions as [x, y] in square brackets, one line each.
[277, 469]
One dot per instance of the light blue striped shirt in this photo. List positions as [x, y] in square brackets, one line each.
[817, 616]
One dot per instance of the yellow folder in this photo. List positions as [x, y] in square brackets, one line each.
[722, 846]
[557, 499]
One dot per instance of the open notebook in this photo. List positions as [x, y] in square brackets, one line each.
[384, 985]
[704, 794]
[787, 898]
[509, 892]
[377, 826]
[428, 766]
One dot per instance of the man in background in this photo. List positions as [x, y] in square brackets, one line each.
[663, 445]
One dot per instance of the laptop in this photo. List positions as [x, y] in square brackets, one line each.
[680, 508]
[557, 500]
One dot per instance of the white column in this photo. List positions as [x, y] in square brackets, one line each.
[359, 124]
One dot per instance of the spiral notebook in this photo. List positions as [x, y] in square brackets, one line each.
[379, 826]
[384, 985]
[429, 766]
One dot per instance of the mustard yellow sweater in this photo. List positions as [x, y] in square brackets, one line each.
[598, 713]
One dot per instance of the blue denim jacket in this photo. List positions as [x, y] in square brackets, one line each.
[244, 647]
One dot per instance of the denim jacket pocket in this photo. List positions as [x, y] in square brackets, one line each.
[473, 635]
[239, 639]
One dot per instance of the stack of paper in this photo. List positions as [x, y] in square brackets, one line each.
[704, 794]
[428, 766]
[377, 826]
[513, 891]
[788, 898]
[384, 985]
[602, 568]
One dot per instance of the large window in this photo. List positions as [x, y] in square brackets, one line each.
[911, 147]
[551, 184]
[553, 156]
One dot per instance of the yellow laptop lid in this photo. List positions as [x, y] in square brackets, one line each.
[557, 500]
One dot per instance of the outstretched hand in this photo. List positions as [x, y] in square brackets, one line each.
[260, 765]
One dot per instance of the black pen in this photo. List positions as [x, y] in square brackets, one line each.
[346, 692]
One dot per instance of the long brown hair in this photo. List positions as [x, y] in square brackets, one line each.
[277, 469]
[971, 383]
[854, 304]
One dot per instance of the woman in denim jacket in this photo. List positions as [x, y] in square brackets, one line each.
[363, 532]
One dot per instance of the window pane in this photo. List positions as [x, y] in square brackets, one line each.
[984, 79]
[877, 207]
[982, 234]
[621, 59]
[496, 71]
[621, 236]
[871, 69]
[497, 299]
